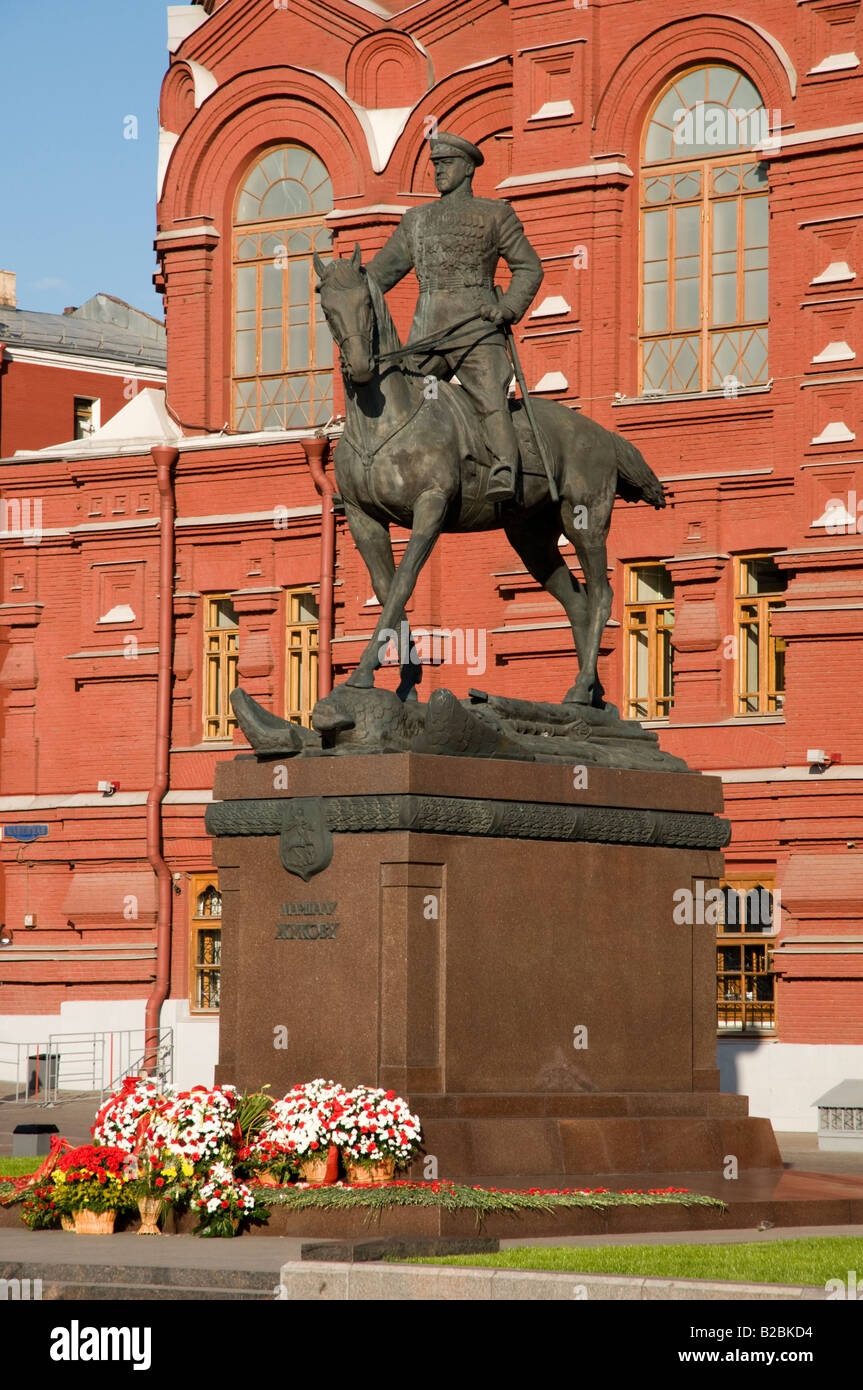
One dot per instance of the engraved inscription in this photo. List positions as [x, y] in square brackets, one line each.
[307, 931]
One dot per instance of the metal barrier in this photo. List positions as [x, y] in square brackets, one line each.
[69, 1065]
[23, 1065]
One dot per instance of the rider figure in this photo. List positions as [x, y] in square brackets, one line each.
[454, 245]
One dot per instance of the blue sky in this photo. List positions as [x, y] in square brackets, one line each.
[79, 199]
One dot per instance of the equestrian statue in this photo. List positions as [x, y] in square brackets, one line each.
[421, 452]
[436, 460]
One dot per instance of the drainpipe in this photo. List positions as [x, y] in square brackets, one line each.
[315, 450]
[165, 457]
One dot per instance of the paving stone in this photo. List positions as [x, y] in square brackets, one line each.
[319, 1280]
[419, 1282]
[508, 1284]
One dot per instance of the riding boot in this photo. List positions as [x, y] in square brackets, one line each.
[502, 445]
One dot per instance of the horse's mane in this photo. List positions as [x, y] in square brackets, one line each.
[388, 337]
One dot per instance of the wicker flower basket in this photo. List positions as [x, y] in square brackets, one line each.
[267, 1178]
[367, 1174]
[95, 1223]
[150, 1209]
[67, 1223]
[313, 1169]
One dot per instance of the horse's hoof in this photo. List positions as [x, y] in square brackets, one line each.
[360, 681]
[578, 695]
[407, 688]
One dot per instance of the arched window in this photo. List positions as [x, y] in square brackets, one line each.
[703, 318]
[282, 350]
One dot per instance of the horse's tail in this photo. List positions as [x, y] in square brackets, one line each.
[636, 482]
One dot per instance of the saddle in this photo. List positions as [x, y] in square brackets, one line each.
[476, 458]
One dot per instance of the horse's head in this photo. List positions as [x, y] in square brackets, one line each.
[347, 305]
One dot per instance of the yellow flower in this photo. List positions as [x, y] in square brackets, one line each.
[170, 1172]
[188, 1169]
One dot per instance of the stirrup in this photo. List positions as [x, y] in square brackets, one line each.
[501, 484]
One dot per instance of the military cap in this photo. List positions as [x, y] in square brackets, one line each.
[444, 146]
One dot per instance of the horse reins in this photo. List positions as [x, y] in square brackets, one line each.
[434, 343]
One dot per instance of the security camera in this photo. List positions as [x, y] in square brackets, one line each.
[816, 755]
[819, 757]
[108, 788]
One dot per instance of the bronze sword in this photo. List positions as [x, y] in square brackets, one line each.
[512, 352]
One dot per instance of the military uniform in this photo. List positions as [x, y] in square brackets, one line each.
[454, 247]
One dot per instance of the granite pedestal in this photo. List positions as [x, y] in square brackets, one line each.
[492, 940]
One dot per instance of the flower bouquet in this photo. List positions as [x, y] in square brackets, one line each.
[253, 1112]
[157, 1178]
[197, 1126]
[296, 1138]
[380, 1135]
[90, 1184]
[223, 1201]
[118, 1122]
[39, 1209]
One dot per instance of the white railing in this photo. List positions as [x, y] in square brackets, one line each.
[66, 1065]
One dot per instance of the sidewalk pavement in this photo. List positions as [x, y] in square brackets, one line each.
[35, 1248]
[18, 1245]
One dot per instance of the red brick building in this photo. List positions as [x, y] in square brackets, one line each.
[693, 183]
[63, 375]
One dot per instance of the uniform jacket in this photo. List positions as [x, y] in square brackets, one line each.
[454, 249]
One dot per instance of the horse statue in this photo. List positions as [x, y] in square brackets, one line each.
[414, 457]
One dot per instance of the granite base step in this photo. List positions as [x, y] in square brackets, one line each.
[71, 1283]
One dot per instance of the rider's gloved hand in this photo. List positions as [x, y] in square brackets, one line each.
[496, 313]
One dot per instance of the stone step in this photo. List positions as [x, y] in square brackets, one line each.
[82, 1281]
[68, 1292]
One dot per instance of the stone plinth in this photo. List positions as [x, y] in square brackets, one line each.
[491, 941]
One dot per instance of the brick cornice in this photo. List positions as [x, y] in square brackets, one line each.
[226, 32]
[20, 614]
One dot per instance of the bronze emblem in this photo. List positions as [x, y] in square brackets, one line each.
[306, 845]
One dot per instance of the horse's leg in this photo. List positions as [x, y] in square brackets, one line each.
[428, 518]
[534, 540]
[593, 558]
[372, 539]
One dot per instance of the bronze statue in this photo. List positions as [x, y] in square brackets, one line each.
[454, 245]
[444, 460]
[421, 463]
